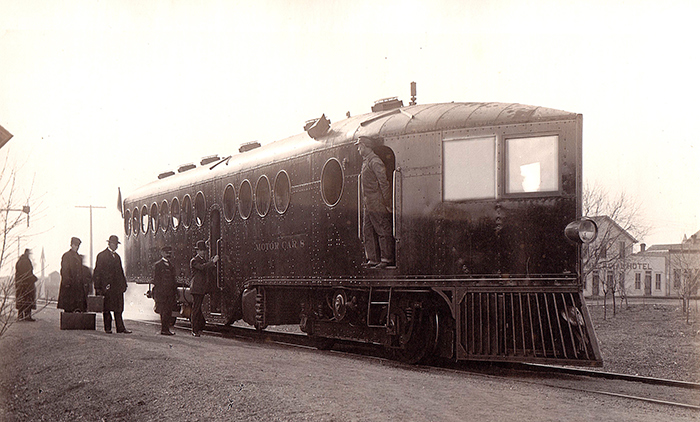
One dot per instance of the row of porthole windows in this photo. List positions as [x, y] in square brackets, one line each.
[173, 215]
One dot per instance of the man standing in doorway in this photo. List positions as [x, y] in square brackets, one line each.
[199, 266]
[377, 204]
[110, 282]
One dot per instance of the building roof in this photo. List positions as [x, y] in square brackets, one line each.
[606, 219]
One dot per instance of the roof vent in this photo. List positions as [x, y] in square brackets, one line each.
[387, 104]
[248, 146]
[185, 167]
[166, 174]
[209, 159]
[317, 127]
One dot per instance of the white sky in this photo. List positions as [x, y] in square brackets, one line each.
[107, 94]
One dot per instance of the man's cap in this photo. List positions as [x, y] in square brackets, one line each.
[366, 140]
[75, 241]
[201, 245]
[166, 249]
[114, 238]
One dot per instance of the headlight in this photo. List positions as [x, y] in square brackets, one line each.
[584, 230]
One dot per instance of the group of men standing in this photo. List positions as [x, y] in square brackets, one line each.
[108, 280]
[165, 287]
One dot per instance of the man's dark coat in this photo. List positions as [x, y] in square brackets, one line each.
[109, 271]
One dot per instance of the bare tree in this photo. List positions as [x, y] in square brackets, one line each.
[686, 264]
[618, 226]
[11, 223]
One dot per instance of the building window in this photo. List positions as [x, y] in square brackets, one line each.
[676, 278]
[658, 281]
[647, 281]
[638, 281]
[469, 169]
[622, 250]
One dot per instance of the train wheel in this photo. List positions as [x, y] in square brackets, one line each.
[419, 341]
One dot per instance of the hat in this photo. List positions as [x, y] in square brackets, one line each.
[365, 140]
[166, 249]
[114, 238]
[201, 245]
[75, 241]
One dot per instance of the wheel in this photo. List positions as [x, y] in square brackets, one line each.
[419, 341]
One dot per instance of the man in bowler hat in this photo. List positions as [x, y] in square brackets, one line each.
[165, 289]
[200, 266]
[110, 282]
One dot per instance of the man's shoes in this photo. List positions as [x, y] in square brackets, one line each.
[196, 334]
[369, 264]
[108, 331]
[125, 331]
[29, 318]
[167, 333]
[381, 265]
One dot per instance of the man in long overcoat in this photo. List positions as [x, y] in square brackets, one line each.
[71, 294]
[165, 289]
[25, 293]
[377, 203]
[110, 282]
[200, 266]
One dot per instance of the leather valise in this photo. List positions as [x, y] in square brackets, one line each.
[77, 321]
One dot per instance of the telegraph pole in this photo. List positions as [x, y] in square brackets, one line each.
[90, 207]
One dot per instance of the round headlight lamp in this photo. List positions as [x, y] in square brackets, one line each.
[584, 230]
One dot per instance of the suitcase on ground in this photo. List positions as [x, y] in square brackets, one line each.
[77, 321]
[95, 303]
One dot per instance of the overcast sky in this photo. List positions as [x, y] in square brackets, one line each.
[101, 95]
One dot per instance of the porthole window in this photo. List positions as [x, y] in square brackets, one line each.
[153, 218]
[144, 219]
[187, 211]
[283, 189]
[245, 199]
[127, 222]
[136, 221]
[332, 182]
[229, 202]
[175, 212]
[200, 208]
[164, 216]
[262, 196]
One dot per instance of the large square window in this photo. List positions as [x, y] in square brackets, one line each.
[532, 164]
[469, 169]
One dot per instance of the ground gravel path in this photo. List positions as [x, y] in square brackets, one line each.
[53, 375]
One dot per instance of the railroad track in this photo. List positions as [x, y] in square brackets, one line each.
[680, 394]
